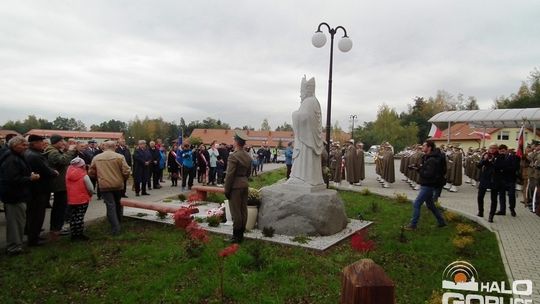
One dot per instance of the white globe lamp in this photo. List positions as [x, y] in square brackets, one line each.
[318, 40]
[345, 44]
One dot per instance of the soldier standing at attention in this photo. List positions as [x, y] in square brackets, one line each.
[236, 186]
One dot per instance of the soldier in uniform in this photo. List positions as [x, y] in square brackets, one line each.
[236, 186]
[388, 166]
[335, 163]
[359, 168]
[350, 159]
[457, 169]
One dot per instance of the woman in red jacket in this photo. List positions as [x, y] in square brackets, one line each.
[79, 192]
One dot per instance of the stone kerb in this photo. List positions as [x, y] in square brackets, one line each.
[311, 213]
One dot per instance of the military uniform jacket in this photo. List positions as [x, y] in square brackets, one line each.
[238, 171]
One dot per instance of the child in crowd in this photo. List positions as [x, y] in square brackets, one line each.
[79, 192]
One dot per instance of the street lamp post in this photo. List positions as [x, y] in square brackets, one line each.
[353, 118]
[345, 44]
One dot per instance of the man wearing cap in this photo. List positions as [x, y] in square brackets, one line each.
[111, 170]
[15, 180]
[59, 158]
[236, 186]
[40, 190]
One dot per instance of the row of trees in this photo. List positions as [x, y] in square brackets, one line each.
[412, 126]
[401, 129]
[148, 128]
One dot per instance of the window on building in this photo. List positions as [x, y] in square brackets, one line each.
[503, 135]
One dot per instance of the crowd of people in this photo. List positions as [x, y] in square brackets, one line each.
[497, 170]
[63, 175]
[34, 171]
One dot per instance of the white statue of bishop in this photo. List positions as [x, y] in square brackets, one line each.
[308, 142]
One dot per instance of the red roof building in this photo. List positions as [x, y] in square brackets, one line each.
[78, 135]
[256, 138]
[3, 133]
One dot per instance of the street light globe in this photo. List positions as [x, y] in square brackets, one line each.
[345, 44]
[318, 40]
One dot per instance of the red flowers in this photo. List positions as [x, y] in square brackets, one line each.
[229, 250]
[196, 233]
[359, 242]
[182, 218]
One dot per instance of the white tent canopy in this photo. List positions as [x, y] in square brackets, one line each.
[501, 118]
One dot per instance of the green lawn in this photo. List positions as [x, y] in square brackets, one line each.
[148, 264]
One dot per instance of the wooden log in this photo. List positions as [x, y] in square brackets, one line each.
[202, 191]
[150, 206]
[365, 282]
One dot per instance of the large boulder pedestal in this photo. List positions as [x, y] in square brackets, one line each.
[293, 210]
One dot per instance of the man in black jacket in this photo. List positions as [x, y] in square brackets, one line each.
[40, 190]
[15, 180]
[141, 169]
[154, 165]
[124, 150]
[491, 177]
[431, 172]
[510, 174]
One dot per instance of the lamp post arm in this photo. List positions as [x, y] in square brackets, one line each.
[326, 24]
[344, 30]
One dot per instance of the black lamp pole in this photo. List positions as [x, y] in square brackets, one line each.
[332, 32]
[353, 117]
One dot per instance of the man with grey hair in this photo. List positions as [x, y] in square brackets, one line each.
[111, 170]
[15, 180]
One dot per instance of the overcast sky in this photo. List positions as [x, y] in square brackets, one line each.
[242, 61]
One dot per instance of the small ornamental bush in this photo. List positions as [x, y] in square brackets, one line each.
[254, 197]
[268, 231]
[365, 192]
[401, 198]
[161, 215]
[213, 221]
[462, 242]
[450, 216]
[436, 297]
[464, 229]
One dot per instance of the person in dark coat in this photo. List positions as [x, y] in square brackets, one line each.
[59, 158]
[491, 177]
[173, 167]
[40, 190]
[141, 160]
[203, 163]
[154, 165]
[15, 180]
[124, 150]
[510, 174]
[236, 186]
[430, 171]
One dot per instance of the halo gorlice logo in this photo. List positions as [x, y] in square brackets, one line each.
[462, 276]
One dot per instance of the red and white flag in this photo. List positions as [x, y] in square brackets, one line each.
[434, 132]
[481, 134]
[521, 142]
